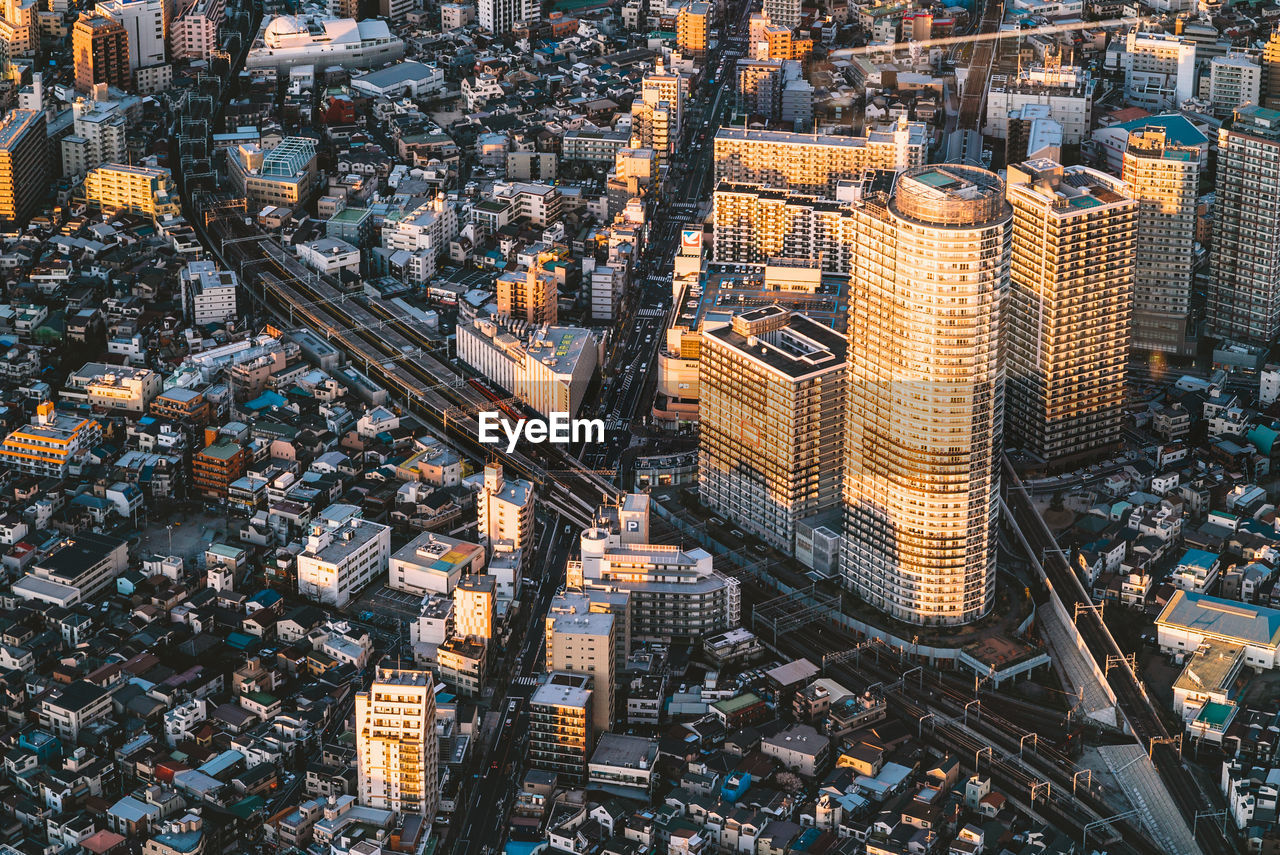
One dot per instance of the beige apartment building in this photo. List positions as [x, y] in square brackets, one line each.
[809, 163]
[474, 607]
[1165, 178]
[756, 223]
[1074, 230]
[771, 418]
[396, 747]
[137, 189]
[926, 395]
[586, 643]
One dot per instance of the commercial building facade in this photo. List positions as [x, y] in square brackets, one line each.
[548, 368]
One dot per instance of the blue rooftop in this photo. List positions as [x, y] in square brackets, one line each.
[1198, 558]
[1178, 129]
[1229, 620]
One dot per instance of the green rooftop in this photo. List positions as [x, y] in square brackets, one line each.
[737, 704]
[224, 449]
[350, 215]
[1177, 128]
[1216, 716]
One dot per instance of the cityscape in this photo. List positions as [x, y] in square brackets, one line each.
[639, 427]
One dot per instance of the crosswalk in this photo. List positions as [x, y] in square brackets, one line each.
[616, 424]
[526, 680]
[652, 312]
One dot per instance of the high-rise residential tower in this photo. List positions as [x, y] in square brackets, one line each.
[1244, 292]
[24, 165]
[1164, 177]
[146, 22]
[926, 395]
[811, 163]
[693, 27]
[396, 747]
[100, 52]
[1067, 325]
[499, 16]
[772, 411]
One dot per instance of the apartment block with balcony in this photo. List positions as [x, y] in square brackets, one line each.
[808, 163]
[921, 496]
[115, 187]
[397, 753]
[51, 443]
[1164, 176]
[113, 387]
[670, 592]
[222, 461]
[772, 412]
[560, 733]
[1244, 290]
[1074, 239]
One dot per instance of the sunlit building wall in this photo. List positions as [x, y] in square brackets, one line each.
[1071, 293]
[926, 395]
[396, 747]
[1164, 177]
[772, 413]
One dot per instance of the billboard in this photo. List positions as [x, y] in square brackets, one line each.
[691, 240]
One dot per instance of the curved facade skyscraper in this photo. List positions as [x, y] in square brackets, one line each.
[926, 395]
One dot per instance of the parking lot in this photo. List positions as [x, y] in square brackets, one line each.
[470, 277]
[386, 607]
[188, 538]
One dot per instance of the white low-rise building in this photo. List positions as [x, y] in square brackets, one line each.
[285, 41]
[433, 564]
[1066, 91]
[343, 553]
[414, 79]
[330, 256]
[416, 240]
[546, 367]
[1189, 619]
[181, 722]
[208, 294]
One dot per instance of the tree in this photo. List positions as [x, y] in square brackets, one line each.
[788, 782]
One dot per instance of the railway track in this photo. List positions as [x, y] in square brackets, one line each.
[974, 99]
[1032, 768]
[1131, 696]
[393, 352]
